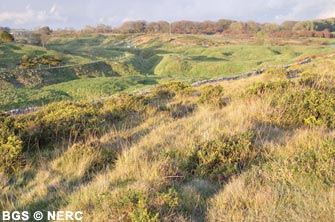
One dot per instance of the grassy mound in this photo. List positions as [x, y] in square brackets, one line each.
[254, 149]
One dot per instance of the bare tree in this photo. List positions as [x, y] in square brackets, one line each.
[44, 32]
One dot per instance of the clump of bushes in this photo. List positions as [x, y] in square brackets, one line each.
[267, 87]
[179, 110]
[11, 145]
[225, 156]
[169, 90]
[11, 157]
[65, 120]
[6, 36]
[319, 82]
[306, 107]
[118, 107]
[213, 96]
[133, 204]
[143, 206]
[316, 160]
[280, 73]
[28, 62]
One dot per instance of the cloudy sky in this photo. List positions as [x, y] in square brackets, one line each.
[79, 13]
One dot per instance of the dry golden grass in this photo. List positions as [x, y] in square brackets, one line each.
[149, 167]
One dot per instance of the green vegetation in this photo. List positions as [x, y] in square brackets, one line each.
[40, 60]
[213, 96]
[307, 107]
[22, 97]
[260, 148]
[223, 157]
[69, 64]
[10, 146]
[6, 37]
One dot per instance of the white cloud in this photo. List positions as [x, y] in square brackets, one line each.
[78, 13]
[53, 9]
[30, 16]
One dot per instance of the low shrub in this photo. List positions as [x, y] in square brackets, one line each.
[316, 160]
[169, 90]
[178, 110]
[277, 72]
[28, 62]
[11, 157]
[11, 145]
[319, 82]
[223, 157]
[269, 87]
[62, 121]
[144, 206]
[118, 107]
[306, 107]
[213, 96]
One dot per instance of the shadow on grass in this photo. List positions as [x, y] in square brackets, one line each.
[208, 187]
[206, 59]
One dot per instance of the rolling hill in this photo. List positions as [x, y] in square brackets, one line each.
[106, 64]
[254, 149]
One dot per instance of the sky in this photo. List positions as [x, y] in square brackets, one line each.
[79, 13]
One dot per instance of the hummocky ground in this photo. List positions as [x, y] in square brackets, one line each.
[95, 66]
[255, 149]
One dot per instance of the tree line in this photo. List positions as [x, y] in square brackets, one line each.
[322, 28]
[313, 28]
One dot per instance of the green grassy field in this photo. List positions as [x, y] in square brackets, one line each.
[188, 58]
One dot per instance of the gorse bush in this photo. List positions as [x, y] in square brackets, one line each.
[178, 110]
[169, 90]
[318, 161]
[11, 157]
[66, 120]
[225, 156]
[306, 107]
[269, 87]
[141, 206]
[11, 145]
[319, 82]
[279, 73]
[117, 108]
[213, 96]
[5, 36]
[28, 62]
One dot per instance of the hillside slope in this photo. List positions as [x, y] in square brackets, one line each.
[254, 149]
[34, 76]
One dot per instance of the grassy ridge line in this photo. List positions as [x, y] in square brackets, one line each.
[257, 72]
[197, 84]
[248, 74]
[71, 65]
